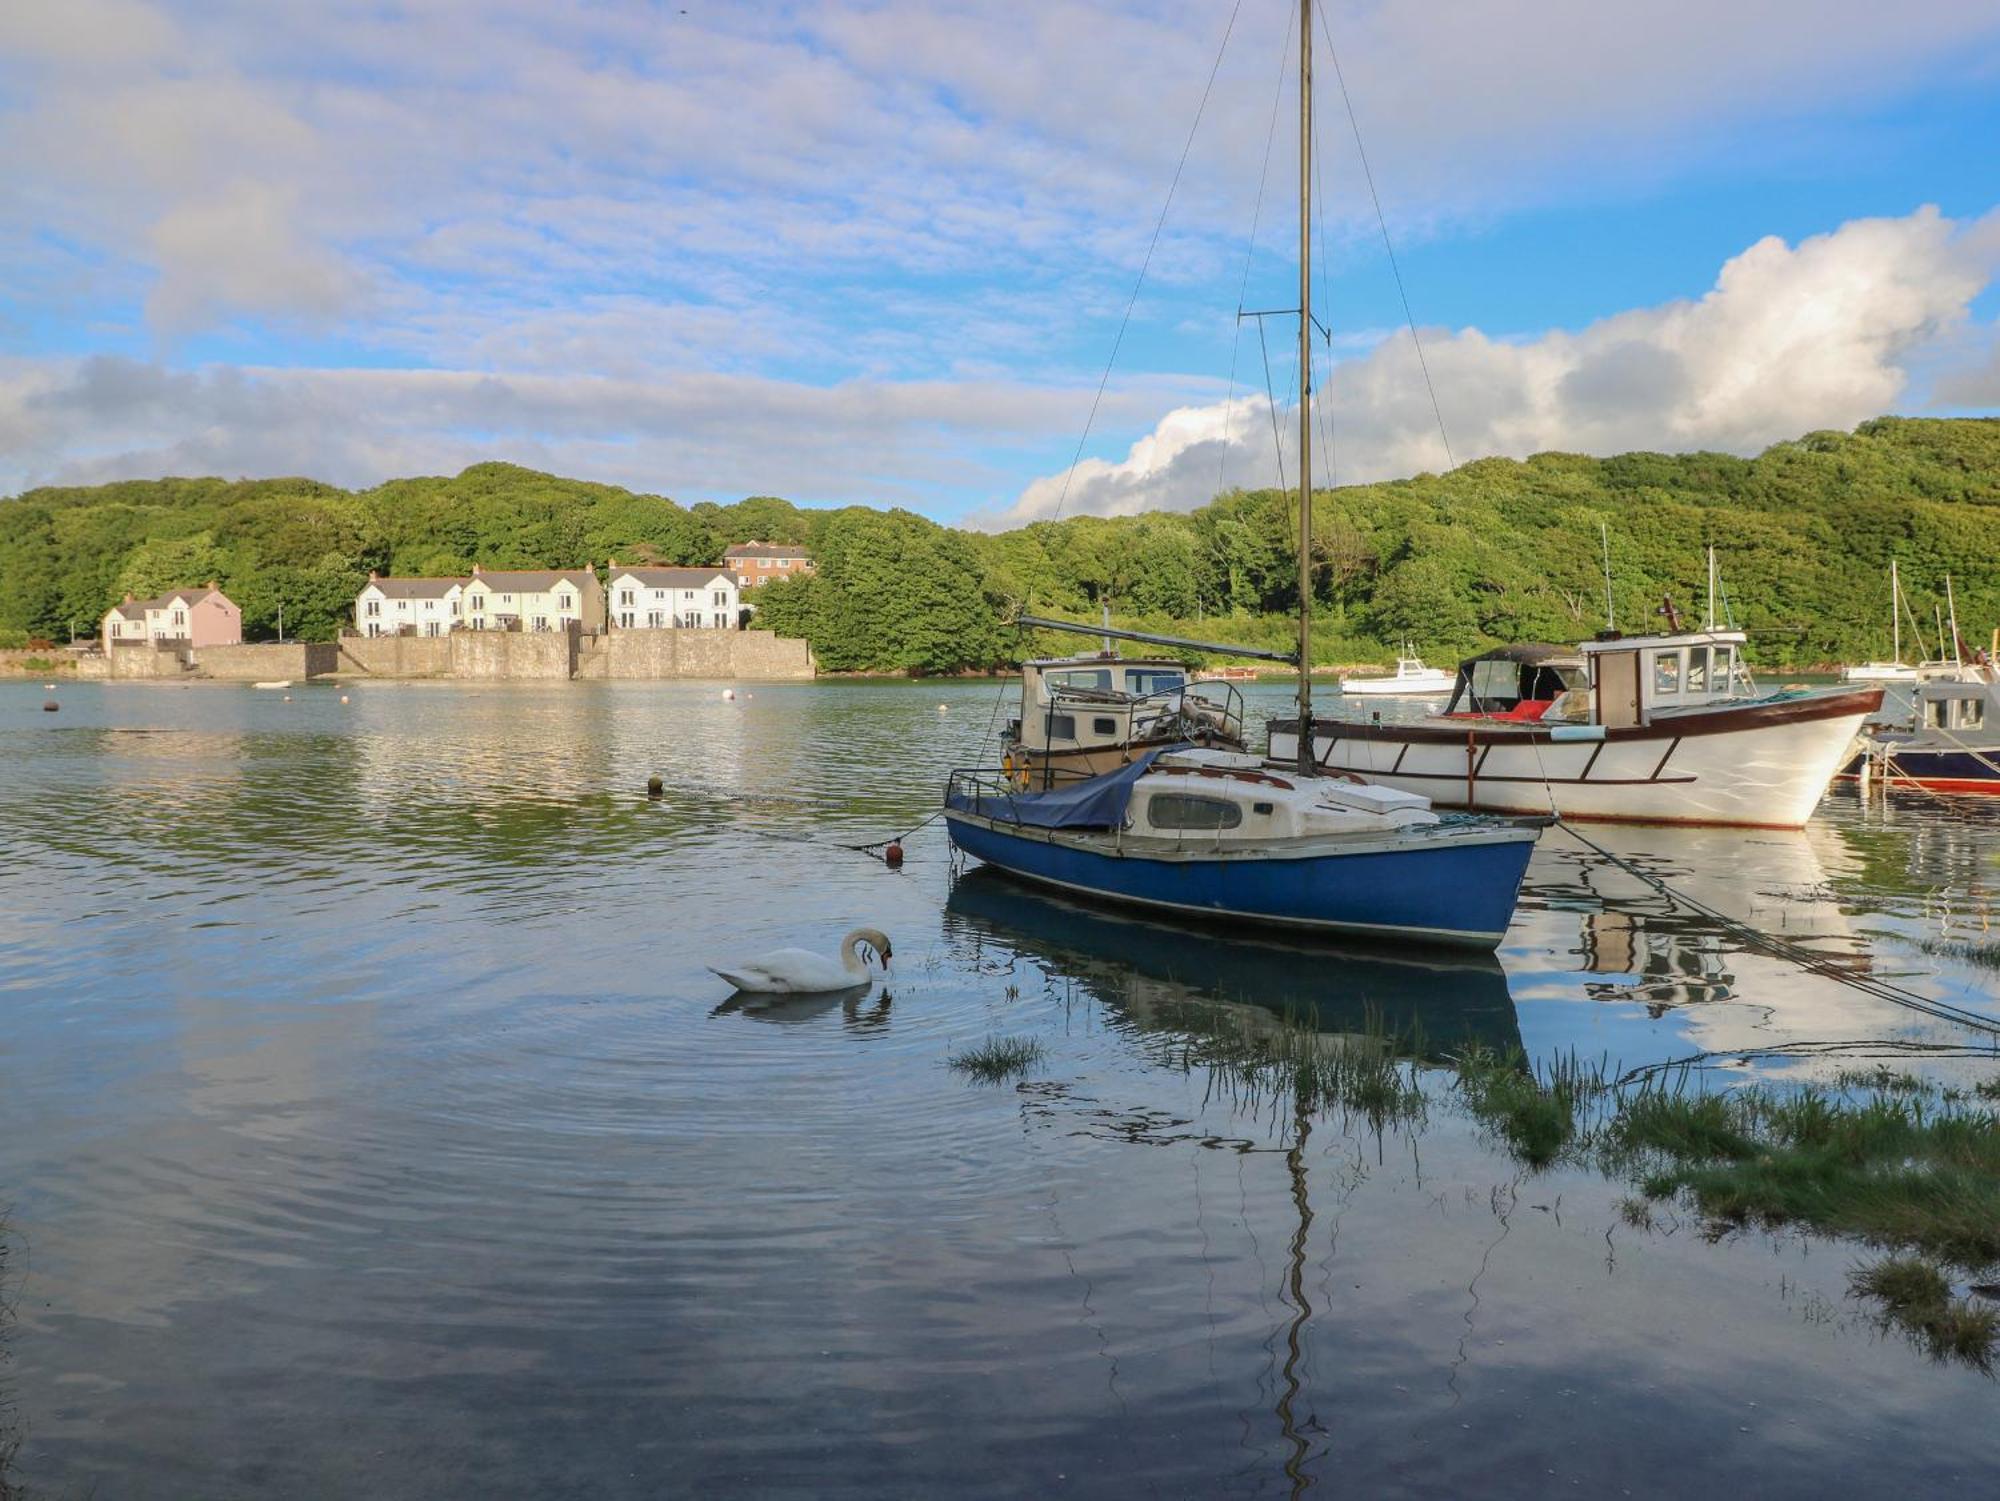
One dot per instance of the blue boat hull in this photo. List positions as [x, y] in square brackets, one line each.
[1937, 770]
[1458, 891]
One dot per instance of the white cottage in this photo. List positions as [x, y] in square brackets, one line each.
[408, 606]
[536, 600]
[673, 598]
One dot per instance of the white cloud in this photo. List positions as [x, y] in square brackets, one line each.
[79, 422]
[1791, 338]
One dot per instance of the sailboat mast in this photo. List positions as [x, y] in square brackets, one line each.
[1305, 388]
[1896, 611]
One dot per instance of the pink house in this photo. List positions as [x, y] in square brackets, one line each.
[194, 617]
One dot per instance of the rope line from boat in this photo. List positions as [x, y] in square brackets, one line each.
[1805, 958]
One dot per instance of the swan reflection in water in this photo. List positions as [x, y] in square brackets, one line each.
[1164, 975]
[859, 1010]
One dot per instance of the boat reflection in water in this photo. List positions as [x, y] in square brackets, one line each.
[1160, 976]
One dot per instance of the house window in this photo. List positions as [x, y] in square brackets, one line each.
[180, 617]
[563, 601]
[784, 562]
[719, 597]
[506, 599]
[743, 579]
[655, 619]
[625, 598]
[1666, 674]
[374, 607]
[1179, 810]
[541, 622]
[687, 594]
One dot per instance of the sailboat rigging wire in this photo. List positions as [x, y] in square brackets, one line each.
[1271, 404]
[1805, 958]
[1380, 218]
[1144, 266]
[1250, 254]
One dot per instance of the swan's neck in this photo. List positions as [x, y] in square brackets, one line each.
[849, 949]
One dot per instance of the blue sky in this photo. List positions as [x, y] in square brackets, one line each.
[878, 250]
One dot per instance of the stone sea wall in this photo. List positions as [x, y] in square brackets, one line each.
[665, 654]
[267, 661]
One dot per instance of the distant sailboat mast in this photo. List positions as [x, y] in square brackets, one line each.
[1305, 388]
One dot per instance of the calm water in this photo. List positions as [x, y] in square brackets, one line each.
[369, 1125]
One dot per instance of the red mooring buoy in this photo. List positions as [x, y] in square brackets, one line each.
[893, 855]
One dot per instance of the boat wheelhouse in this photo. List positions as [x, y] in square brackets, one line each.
[1082, 716]
[1637, 729]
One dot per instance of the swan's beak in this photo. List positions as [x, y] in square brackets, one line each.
[886, 951]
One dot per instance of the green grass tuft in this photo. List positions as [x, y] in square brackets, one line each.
[1364, 1074]
[998, 1059]
[1916, 1297]
[1536, 1114]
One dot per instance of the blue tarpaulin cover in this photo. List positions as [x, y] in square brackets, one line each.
[1096, 804]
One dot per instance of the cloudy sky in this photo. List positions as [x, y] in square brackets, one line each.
[881, 250]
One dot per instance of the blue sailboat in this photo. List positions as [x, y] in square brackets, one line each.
[1219, 834]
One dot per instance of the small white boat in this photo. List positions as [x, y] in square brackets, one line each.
[1411, 679]
[282, 683]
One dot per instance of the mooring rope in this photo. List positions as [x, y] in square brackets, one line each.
[1798, 954]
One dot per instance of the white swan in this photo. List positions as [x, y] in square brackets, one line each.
[802, 972]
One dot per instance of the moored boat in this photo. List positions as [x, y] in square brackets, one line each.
[1222, 834]
[1411, 679]
[1636, 729]
[1950, 744]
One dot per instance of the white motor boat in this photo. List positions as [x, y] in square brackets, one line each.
[1410, 680]
[1633, 729]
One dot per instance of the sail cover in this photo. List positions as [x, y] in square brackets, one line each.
[1098, 803]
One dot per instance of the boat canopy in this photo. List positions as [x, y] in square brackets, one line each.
[1527, 672]
[1098, 803]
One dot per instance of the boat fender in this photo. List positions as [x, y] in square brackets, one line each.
[893, 855]
[1561, 732]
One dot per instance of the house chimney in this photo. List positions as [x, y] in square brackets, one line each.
[128, 597]
[213, 586]
[614, 562]
[475, 570]
[373, 576]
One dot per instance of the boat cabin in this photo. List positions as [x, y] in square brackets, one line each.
[1958, 707]
[1614, 681]
[1084, 703]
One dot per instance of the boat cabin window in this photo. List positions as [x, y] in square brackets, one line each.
[1666, 674]
[1697, 673]
[1089, 679]
[1104, 726]
[1062, 727]
[1144, 680]
[1956, 713]
[1181, 810]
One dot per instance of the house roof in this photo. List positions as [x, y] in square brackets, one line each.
[766, 550]
[671, 578]
[135, 609]
[537, 581]
[415, 588]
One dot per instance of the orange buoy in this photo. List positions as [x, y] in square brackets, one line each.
[893, 855]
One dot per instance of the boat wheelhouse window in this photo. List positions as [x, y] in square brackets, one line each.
[1971, 713]
[1062, 727]
[1936, 712]
[1104, 727]
[1496, 682]
[1144, 680]
[1666, 673]
[1697, 675]
[1097, 678]
[1180, 810]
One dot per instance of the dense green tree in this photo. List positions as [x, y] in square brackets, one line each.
[1495, 550]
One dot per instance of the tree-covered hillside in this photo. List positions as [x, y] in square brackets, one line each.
[1495, 550]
